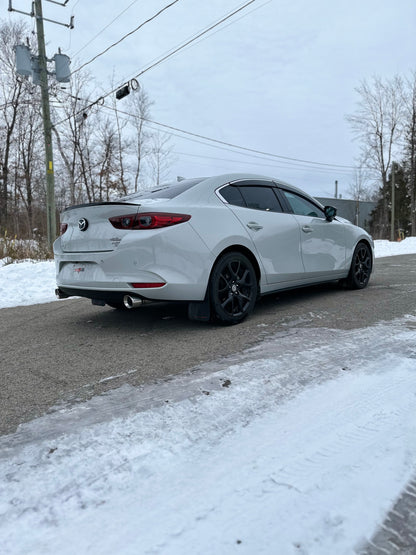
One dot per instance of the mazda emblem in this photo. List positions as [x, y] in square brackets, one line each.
[82, 224]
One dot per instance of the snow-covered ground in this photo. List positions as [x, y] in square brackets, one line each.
[297, 446]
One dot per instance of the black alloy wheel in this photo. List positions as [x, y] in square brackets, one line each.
[233, 288]
[361, 267]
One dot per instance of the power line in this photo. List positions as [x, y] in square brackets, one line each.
[104, 28]
[223, 145]
[190, 41]
[193, 37]
[126, 35]
[297, 167]
[16, 105]
[289, 163]
[232, 145]
[172, 129]
[229, 24]
[196, 137]
[292, 164]
[101, 99]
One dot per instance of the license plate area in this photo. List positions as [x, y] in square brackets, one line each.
[80, 271]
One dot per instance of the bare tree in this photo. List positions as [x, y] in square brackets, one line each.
[159, 156]
[29, 141]
[377, 122]
[11, 92]
[361, 189]
[139, 106]
[72, 134]
[121, 148]
[108, 160]
[101, 158]
[99, 152]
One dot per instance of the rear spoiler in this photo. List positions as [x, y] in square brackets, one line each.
[101, 204]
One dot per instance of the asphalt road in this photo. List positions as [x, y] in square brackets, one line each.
[69, 351]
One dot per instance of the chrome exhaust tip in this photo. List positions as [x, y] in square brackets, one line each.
[132, 302]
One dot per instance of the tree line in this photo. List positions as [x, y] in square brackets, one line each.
[99, 151]
[102, 151]
[385, 125]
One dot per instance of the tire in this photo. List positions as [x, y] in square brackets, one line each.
[233, 288]
[361, 267]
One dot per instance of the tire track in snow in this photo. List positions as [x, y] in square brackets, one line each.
[300, 357]
[355, 426]
[311, 445]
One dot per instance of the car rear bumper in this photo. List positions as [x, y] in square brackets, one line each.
[182, 267]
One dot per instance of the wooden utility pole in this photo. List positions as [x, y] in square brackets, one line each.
[42, 68]
[47, 126]
[393, 201]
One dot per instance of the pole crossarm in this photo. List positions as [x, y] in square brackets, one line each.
[59, 3]
[69, 25]
[11, 9]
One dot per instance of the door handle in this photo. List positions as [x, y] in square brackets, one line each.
[307, 229]
[254, 226]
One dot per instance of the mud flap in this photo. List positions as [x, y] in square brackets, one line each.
[200, 311]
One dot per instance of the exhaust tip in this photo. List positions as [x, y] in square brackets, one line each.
[132, 302]
[60, 294]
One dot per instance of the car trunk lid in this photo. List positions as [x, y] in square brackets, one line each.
[89, 229]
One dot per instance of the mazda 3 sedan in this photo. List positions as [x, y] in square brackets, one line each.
[216, 242]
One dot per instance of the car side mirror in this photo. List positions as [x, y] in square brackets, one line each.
[330, 213]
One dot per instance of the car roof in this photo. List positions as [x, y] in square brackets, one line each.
[200, 188]
[212, 183]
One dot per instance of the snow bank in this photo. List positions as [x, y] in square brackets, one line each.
[393, 248]
[26, 283]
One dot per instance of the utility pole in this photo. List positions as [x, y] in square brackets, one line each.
[393, 200]
[39, 64]
[47, 126]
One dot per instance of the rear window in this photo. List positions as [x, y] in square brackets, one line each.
[168, 190]
[258, 197]
[232, 195]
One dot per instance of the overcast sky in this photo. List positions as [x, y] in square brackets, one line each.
[278, 77]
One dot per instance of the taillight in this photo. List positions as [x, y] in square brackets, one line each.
[148, 220]
[64, 227]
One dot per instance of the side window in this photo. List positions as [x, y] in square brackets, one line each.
[232, 195]
[260, 198]
[301, 206]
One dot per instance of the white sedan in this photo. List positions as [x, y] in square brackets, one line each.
[217, 243]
